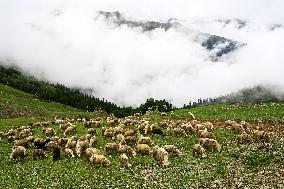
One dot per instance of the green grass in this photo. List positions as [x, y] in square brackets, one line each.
[15, 103]
[79, 173]
[263, 112]
[181, 173]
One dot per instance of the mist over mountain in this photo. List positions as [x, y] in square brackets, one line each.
[127, 52]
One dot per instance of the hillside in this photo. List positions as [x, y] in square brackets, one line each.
[15, 103]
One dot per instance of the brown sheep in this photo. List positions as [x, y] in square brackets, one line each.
[179, 131]
[144, 140]
[69, 130]
[124, 160]
[161, 154]
[172, 149]
[111, 147]
[92, 151]
[199, 150]
[48, 131]
[18, 151]
[71, 143]
[69, 153]
[81, 146]
[143, 149]
[99, 159]
[93, 141]
[38, 153]
[244, 138]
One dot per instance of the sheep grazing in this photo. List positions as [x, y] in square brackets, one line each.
[92, 151]
[88, 124]
[172, 149]
[244, 138]
[69, 130]
[210, 144]
[199, 150]
[111, 147]
[205, 134]
[69, 153]
[161, 154]
[40, 143]
[124, 160]
[144, 140]
[178, 131]
[209, 125]
[38, 153]
[71, 143]
[199, 126]
[48, 131]
[130, 139]
[120, 138]
[143, 149]
[187, 127]
[64, 126]
[81, 146]
[238, 128]
[99, 159]
[191, 116]
[148, 128]
[12, 138]
[18, 151]
[22, 142]
[92, 131]
[261, 135]
[93, 141]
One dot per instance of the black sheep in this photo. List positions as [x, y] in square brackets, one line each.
[56, 153]
[41, 145]
[157, 131]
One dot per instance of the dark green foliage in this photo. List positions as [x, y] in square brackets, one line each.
[71, 96]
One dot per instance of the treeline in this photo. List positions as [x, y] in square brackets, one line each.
[73, 97]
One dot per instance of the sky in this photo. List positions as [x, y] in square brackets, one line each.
[66, 41]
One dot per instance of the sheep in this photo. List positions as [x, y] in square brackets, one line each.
[69, 153]
[161, 154]
[163, 113]
[40, 143]
[187, 127]
[144, 140]
[71, 143]
[172, 149]
[199, 126]
[12, 138]
[111, 147]
[30, 139]
[244, 138]
[157, 131]
[93, 141]
[64, 126]
[143, 149]
[18, 151]
[56, 153]
[191, 116]
[63, 141]
[179, 131]
[22, 142]
[81, 146]
[205, 134]
[124, 160]
[130, 139]
[199, 150]
[210, 144]
[261, 135]
[99, 159]
[92, 151]
[229, 123]
[38, 153]
[209, 125]
[237, 128]
[48, 131]
[92, 131]
[130, 132]
[69, 130]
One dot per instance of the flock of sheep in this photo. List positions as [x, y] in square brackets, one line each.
[127, 137]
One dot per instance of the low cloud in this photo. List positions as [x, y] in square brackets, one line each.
[67, 42]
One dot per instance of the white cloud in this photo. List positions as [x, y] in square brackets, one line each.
[127, 66]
